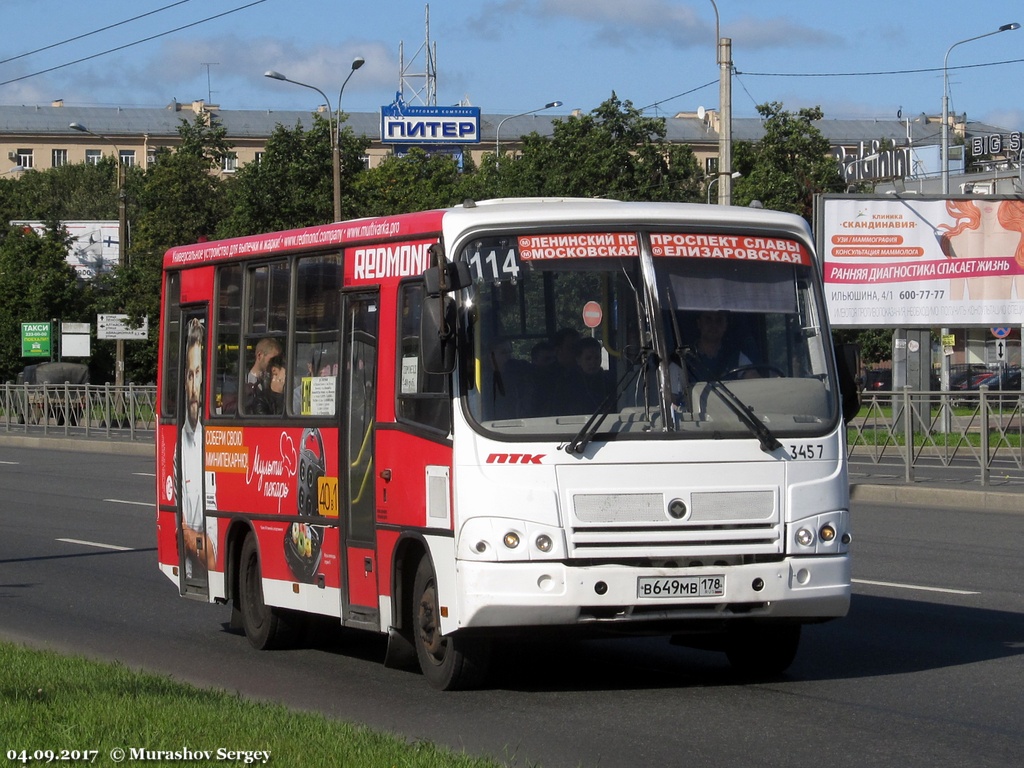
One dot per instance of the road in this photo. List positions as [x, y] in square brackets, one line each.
[927, 669]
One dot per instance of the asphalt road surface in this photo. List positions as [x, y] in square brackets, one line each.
[927, 670]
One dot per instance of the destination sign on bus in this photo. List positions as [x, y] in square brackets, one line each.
[744, 248]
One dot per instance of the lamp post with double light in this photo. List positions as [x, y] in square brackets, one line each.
[945, 98]
[335, 126]
[122, 238]
[497, 133]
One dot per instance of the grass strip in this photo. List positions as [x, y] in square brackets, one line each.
[50, 702]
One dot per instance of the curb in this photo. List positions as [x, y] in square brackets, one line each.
[83, 445]
[932, 496]
[917, 495]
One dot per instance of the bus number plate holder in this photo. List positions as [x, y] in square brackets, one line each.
[680, 586]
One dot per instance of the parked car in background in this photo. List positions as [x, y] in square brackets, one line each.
[878, 380]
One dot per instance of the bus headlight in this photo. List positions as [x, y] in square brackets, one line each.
[494, 539]
[825, 534]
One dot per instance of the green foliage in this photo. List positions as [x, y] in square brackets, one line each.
[66, 703]
[70, 192]
[180, 201]
[292, 186]
[612, 152]
[875, 343]
[416, 182]
[789, 165]
[36, 285]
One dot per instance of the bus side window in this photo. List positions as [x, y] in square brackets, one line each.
[265, 332]
[227, 340]
[423, 398]
[316, 329]
[172, 336]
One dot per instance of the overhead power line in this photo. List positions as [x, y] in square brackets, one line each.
[137, 42]
[94, 32]
[876, 74]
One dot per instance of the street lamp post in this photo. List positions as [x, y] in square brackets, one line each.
[335, 127]
[719, 177]
[723, 49]
[122, 239]
[945, 99]
[497, 133]
[944, 161]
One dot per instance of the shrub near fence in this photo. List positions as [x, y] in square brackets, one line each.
[80, 409]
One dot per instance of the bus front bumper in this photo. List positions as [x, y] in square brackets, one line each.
[556, 594]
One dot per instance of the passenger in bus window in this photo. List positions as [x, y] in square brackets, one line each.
[271, 398]
[256, 379]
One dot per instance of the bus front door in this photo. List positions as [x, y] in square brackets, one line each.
[359, 386]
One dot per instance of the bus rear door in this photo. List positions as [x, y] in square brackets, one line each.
[358, 476]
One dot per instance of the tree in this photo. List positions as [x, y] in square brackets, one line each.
[177, 200]
[36, 285]
[292, 185]
[789, 165]
[612, 152]
[415, 182]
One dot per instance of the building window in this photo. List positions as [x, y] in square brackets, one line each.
[60, 157]
[93, 156]
[24, 158]
[711, 166]
[259, 157]
[230, 163]
[128, 158]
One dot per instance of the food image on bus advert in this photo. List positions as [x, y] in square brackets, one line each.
[303, 541]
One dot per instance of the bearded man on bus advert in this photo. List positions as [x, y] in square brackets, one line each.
[199, 553]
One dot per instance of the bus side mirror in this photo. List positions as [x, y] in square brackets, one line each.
[847, 366]
[447, 277]
[437, 335]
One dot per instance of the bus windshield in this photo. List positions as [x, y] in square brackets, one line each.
[641, 333]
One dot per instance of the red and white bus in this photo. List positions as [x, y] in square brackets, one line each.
[509, 416]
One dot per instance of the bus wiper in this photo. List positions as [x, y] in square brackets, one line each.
[589, 429]
[769, 443]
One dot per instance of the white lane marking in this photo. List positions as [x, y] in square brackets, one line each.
[144, 474]
[914, 586]
[96, 544]
[14, 463]
[125, 501]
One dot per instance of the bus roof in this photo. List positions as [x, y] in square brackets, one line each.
[337, 234]
[504, 213]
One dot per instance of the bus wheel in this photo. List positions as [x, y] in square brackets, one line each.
[265, 627]
[451, 662]
[762, 650]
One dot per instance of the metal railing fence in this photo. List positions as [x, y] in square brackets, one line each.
[91, 410]
[982, 428]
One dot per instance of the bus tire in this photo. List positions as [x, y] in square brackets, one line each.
[449, 662]
[762, 650]
[266, 628]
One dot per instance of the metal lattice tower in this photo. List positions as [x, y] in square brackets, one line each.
[419, 87]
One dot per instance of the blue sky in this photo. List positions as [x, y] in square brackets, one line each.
[510, 56]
